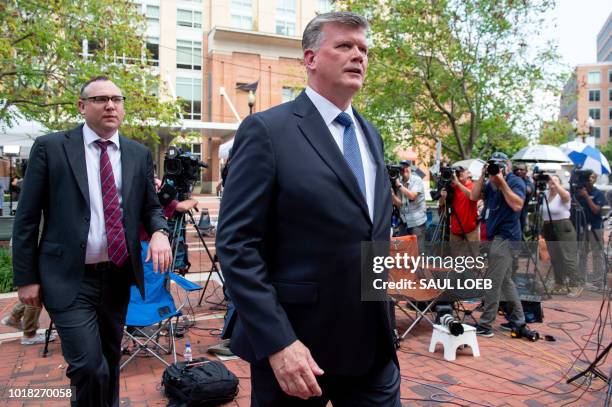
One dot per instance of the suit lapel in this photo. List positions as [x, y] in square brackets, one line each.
[75, 153]
[316, 132]
[127, 168]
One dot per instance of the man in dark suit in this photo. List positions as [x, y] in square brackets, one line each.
[93, 188]
[307, 184]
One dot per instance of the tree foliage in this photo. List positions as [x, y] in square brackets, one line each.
[556, 132]
[461, 71]
[42, 65]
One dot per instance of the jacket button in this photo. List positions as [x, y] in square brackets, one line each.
[83, 245]
[86, 219]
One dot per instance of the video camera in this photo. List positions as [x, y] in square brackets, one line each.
[181, 171]
[580, 178]
[522, 331]
[541, 178]
[444, 179]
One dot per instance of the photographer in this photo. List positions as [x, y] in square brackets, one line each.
[592, 200]
[464, 211]
[504, 195]
[411, 202]
[520, 170]
[560, 237]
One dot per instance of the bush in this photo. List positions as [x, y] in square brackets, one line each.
[6, 271]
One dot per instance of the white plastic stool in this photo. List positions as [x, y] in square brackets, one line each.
[450, 342]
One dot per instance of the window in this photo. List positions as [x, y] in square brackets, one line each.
[188, 18]
[594, 78]
[241, 14]
[595, 114]
[610, 76]
[595, 132]
[324, 6]
[610, 94]
[153, 48]
[290, 93]
[189, 54]
[610, 113]
[285, 17]
[189, 90]
[152, 14]
[194, 149]
[594, 95]
[609, 133]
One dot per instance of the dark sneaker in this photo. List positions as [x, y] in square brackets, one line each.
[482, 331]
[507, 326]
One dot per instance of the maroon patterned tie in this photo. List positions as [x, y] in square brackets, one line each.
[115, 235]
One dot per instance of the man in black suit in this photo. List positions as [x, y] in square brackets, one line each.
[93, 188]
[307, 184]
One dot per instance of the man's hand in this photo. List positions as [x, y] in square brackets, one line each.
[497, 179]
[159, 250]
[582, 192]
[455, 180]
[443, 194]
[30, 295]
[397, 183]
[295, 371]
[187, 205]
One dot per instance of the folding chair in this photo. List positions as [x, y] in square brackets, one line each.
[158, 309]
[416, 296]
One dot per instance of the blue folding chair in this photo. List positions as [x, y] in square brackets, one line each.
[157, 310]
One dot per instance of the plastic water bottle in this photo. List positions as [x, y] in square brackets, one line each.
[187, 354]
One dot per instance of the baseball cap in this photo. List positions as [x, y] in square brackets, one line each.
[498, 156]
[406, 163]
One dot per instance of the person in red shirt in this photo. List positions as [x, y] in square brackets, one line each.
[464, 211]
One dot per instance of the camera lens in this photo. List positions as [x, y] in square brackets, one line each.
[493, 168]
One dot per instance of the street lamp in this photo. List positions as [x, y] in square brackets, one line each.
[251, 101]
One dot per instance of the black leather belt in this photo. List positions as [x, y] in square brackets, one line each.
[104, 266]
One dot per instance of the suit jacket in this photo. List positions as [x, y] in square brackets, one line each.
[55, 185]
[291, 224]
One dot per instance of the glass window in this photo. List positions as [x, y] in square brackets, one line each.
[241, 14]
[610, 95]
[609, 133]
[595, 114]
[610, 113]
[594, 78]
[324, 6]
[189, 90]
[188, 18]
[595, 132]
[594, 95]
[285, 17]
[153, 48]
[189, 54]
[152, 14]
[610, 76]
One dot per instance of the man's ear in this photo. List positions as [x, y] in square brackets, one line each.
[309, 58]
[81, 106]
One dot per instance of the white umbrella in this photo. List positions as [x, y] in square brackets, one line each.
[541, 153]
[474, 166]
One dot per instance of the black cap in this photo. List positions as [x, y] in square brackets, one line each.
[406, 163]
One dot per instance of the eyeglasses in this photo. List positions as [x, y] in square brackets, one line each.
[102, 100]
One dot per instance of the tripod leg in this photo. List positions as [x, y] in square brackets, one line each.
[593, 368]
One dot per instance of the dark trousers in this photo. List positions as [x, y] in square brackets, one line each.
[378, 388]
[91, 329]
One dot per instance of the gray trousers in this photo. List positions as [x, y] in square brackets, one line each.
[561, 242]
[500, 273]
[595, 245]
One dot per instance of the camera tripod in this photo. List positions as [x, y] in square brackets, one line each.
[536, 231]
[179, 227]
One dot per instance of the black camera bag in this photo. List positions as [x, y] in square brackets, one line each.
[201, 383]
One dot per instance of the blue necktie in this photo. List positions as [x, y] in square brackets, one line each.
[351, 150]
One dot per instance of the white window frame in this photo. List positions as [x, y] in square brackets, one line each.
[194, 83]
[592, 74]
[286, 12]
[241, 14]
[196, 59]
[194, 22]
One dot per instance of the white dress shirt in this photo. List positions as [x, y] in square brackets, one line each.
[329, 112]
[97, 248]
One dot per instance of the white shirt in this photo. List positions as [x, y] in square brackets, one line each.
[558, 209]
[97, 249]
[329, 112]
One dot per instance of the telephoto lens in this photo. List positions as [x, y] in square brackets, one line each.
[492, 168]
[455, 327]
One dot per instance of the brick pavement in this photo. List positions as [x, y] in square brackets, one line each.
[510, 372]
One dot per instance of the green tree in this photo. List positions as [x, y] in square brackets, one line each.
[607, 151]
[556, 132]
[459, 71]
[42, 65]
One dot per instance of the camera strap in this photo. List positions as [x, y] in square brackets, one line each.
[463, 234]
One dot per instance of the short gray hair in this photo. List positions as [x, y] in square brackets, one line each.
[314, 30]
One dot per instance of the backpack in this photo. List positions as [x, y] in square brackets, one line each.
[200, 383]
